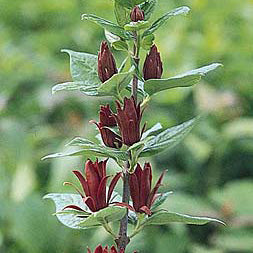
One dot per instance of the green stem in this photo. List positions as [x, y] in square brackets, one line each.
[109, 230]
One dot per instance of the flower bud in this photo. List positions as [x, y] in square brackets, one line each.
[153, 67]
[137, 14]
[106, 63]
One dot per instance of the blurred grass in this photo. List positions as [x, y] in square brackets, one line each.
[210, 173]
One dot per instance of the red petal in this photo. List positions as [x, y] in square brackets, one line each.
[112, 186]
[155, 189]
[92, 178]
[124, 205]
[145, 186]
[88, 250]
[113, 250]
[89, 201]
[101, 194]
[146, 210]
[98, 249]
[82, 181]
[74, 207]
[134, 190]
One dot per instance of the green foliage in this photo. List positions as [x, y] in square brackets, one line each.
[187, 79]
[72, 219]
[159, 22]
[167, 139]
[165, 217]
[108, 25]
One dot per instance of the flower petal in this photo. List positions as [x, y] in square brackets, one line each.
[112, 186]
[155, 189]
[82, 181]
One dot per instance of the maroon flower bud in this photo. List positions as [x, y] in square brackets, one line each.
[99, 249]
[106, 116]
[106, 63]
[107, 119]
[137, 14]
[94, 186]
[140, 188]
[129, 119]
[153, 67]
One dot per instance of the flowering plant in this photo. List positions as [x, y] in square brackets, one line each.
[123, 136]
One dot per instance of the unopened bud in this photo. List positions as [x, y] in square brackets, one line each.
[137, 14]
[153, 67]
[106, 63]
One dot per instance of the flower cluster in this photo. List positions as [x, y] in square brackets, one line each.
[100, 249]
[128, 120]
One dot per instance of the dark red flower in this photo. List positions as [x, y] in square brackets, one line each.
[100, 249]
[109, 137]
[129, 119]
[140, 188]
[137, 14]
[94, 186]
[106, 63]
[153, 67]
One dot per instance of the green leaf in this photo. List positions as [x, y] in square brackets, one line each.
[61, 200]
[152, 130]
[167, 139]
[106, 215]
[161, 199]
[136, 26]
[159, 22]
[89, 148]
[187, 79]
[71, 86]
[121, 14]
[165, 217]
[116, 84]
[148, 7]
[147, 41]
[108, 25]
[83, 69]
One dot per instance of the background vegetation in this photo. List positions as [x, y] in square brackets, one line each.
[211, 173]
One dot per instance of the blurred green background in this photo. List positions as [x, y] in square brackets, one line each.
[211, 172]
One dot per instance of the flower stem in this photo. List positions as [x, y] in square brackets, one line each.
[123, 238]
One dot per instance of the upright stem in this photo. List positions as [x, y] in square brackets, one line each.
[136, 59]
[123, 238]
